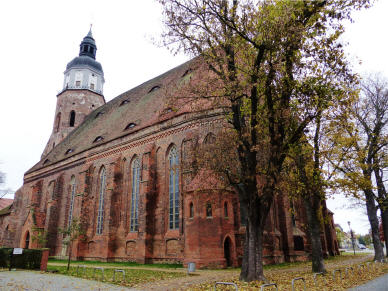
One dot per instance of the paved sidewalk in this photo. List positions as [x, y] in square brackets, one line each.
[35, 281]
[379, 284]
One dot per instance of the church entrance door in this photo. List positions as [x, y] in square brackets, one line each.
[227, 252]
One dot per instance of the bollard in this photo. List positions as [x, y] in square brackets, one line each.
[315, 277]
[268, 285]
[102, 272]
[296, 279]
[225, 283]
[335, 271]
[118, 271]
[346, 271]
[81, 266]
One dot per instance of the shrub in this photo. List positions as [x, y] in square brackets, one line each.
[29, 259]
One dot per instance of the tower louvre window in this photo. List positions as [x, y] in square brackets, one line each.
[72, 118]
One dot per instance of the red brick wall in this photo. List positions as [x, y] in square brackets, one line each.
[200, 239]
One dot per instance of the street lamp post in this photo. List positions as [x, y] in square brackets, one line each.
[352, 237]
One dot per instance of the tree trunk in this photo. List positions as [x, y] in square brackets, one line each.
[384, 221]
[252, 265]
[314, 228]
[374, 223]
[382, 202]
[68, 261]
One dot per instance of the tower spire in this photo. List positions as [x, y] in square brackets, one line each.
[88, 45]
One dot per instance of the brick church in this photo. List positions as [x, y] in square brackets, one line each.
[121, 168]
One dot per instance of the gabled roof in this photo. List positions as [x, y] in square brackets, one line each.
[6, 210]
[143, 105]
[4, 202]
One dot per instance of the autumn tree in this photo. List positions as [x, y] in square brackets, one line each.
[269, 65]
[72, 233]
[361, 139]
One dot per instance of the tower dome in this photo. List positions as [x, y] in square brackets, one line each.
[84, 72]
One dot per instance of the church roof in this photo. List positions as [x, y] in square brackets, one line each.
[5, 202]
[82, 61]
[130, 112]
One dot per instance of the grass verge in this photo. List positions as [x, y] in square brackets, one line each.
[116, 264]
[132, 276]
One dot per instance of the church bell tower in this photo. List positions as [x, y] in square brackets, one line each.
[82, 92]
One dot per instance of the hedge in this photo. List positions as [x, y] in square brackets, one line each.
[29, 259]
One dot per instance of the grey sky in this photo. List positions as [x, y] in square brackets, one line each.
[38, 38]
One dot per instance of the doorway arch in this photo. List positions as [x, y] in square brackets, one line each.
[228, 251]
[27, 241]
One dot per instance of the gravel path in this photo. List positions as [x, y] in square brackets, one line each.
[36, 281]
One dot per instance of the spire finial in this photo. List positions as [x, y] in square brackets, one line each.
[90, 31]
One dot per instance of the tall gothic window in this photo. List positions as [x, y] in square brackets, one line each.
[100, 213]
[72, 184]
[135, 194]
[173, 188]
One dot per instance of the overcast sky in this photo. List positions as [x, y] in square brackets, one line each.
[38, 38]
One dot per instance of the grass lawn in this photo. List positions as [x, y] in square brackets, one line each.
[116, 264]
[132, 276]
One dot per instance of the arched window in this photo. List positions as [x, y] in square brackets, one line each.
[226, 214]
[191, 210]
[173, 188]
[72, 185]
[209, 212]
[135, 194]
[72, 118]
[27, 241]
[100, 213]
[57, 122]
